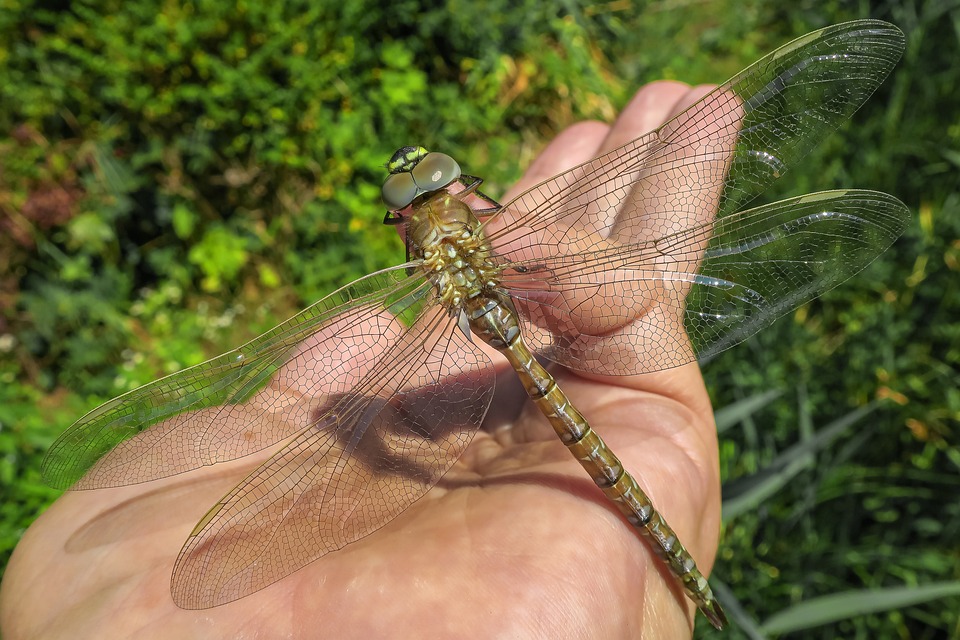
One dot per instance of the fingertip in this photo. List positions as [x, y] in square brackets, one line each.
[655, 100]
[650, 107]
[575, 145]
[578, 142]
[693, 94]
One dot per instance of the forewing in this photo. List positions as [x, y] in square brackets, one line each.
[367, 456]
[713, 157]
[636, 221]
[242, 401]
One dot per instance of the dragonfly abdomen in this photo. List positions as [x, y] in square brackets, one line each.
[493, 319]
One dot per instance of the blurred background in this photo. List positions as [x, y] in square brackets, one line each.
[177, 177]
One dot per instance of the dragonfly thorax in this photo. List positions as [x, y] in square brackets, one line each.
[445, 234]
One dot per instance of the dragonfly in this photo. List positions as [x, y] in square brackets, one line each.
[634, 262]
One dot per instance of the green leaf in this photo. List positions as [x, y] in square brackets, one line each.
[841, 606]
[184, 220]
[746, 493]
[220, 254]
[732, 414]
[90, 232]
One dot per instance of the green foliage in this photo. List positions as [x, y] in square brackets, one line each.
[232, 148]
[177, 177]
[30, 420]
[875, 509]
[841, 606]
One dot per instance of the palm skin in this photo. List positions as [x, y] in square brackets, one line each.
[515, 542]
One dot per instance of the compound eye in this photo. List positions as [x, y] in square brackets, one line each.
[435, 171]
[398, 191]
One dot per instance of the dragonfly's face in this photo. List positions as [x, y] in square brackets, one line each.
[414, 171]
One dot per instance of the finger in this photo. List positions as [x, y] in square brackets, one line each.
[677, 195]
[664, 225]
[586, 140]
[575, 145]
[681, 182]
[649, 108]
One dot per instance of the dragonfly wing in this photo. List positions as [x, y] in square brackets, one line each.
[636, 221]
[242, 401]
[367, 455]
[713, 157]
[698, 292]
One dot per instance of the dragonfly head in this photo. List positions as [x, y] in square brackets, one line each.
[414, 172]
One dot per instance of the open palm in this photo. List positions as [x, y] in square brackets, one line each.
[516, 541]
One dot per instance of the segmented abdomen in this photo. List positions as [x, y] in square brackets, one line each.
[495, 321]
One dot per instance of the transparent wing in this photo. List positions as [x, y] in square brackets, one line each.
[652, 204]
[716, 155]
[366, 457]
[242, 401]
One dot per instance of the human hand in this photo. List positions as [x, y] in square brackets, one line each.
[528, 547]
